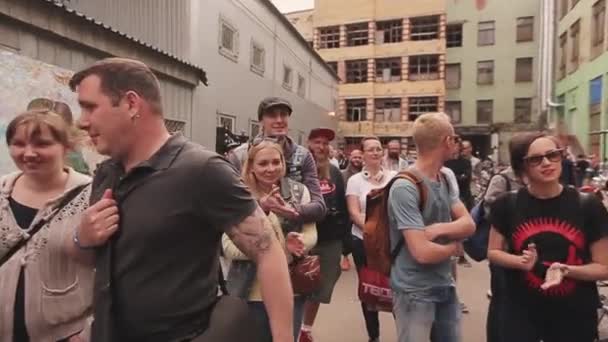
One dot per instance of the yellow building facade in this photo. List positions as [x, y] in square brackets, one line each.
[390, 58]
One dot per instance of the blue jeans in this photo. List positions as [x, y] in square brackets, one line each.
[432, 314]
[262, 317]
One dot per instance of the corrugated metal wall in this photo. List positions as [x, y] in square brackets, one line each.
[176, 96]
[162, 23]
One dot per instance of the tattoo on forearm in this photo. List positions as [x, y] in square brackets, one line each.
[253, 236]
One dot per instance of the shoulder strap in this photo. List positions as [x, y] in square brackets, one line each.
[418, 181]
[64, 201]
[422, 191]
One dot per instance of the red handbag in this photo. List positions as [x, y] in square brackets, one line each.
[305, 274]
[375, 290]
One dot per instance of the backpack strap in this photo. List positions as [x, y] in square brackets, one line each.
[422, 192]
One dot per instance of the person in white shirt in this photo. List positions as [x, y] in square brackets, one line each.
[372, 176]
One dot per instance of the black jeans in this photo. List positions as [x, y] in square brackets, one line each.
[371, 317]
[347, 242]
[495, 319]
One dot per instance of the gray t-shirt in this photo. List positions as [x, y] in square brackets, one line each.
[407, 275]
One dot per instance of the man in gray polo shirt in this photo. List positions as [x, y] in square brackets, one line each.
[159, 207]
[424, 295]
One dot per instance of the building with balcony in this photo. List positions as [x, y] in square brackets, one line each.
[582, 72]
[390, 59]
[493, 71]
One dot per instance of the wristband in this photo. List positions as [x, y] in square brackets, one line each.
[77, 241]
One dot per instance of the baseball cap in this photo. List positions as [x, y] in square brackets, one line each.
[270, 102]
[322, 132]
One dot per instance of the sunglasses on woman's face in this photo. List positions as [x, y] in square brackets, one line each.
[553, 156]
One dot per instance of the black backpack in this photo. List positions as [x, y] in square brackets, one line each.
[476, 246]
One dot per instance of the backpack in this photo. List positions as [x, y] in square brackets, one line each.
[376, 232]
[476, 246]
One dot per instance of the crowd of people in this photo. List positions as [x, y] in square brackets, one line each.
[168, 241]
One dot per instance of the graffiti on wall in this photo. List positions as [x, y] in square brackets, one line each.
[24, 79]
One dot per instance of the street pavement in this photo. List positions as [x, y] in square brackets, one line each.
[342, 320]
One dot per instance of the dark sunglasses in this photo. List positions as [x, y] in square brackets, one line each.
[553, 156]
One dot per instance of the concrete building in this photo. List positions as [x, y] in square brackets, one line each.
[493, 70]
[582, 73]
[249, 51]
[42, 43]
[390, 59]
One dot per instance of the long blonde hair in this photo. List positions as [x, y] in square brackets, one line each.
[249, 176]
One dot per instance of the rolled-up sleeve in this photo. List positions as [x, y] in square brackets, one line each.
[315, 210]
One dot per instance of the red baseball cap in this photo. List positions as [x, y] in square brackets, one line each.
[322, 132]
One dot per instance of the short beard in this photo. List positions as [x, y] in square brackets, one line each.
[323, 165]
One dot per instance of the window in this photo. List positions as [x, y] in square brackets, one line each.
[388, 110]
[356, 71]
[485, 34]
[389, 31]
[485, 72]
[329, 37]
[523, 69]
[388, 69]
[525, 29]
[452, 76]
[599, 23]
[485, 109]
[254, 128]
[175, 126]
[454, 35]
[454, 109]
[575, 35]
[425, 28]
[333, 66]
[258, 58]
[595, 96]
[563, 7]
[357, 34]
[356, 110]
[228, 40]
[420, 105]
[226, 121]
[287, 77]
[523, 110]
[301, 86]
[563, 60]
[424, 67]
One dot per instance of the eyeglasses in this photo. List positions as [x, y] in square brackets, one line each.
[553, 156]
[373, 149]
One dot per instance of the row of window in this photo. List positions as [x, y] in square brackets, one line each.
[390, 31]
[522, 111]
[389, 109]
[422, 67]
[486, 32]
[485, 72]
[229, 47]
[229, 122]
[569, 41]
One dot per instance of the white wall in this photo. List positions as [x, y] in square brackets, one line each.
[236, 90]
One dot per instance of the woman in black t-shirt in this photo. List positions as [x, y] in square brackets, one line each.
[554, 243]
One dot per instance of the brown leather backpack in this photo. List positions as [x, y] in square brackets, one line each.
[376, 232]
